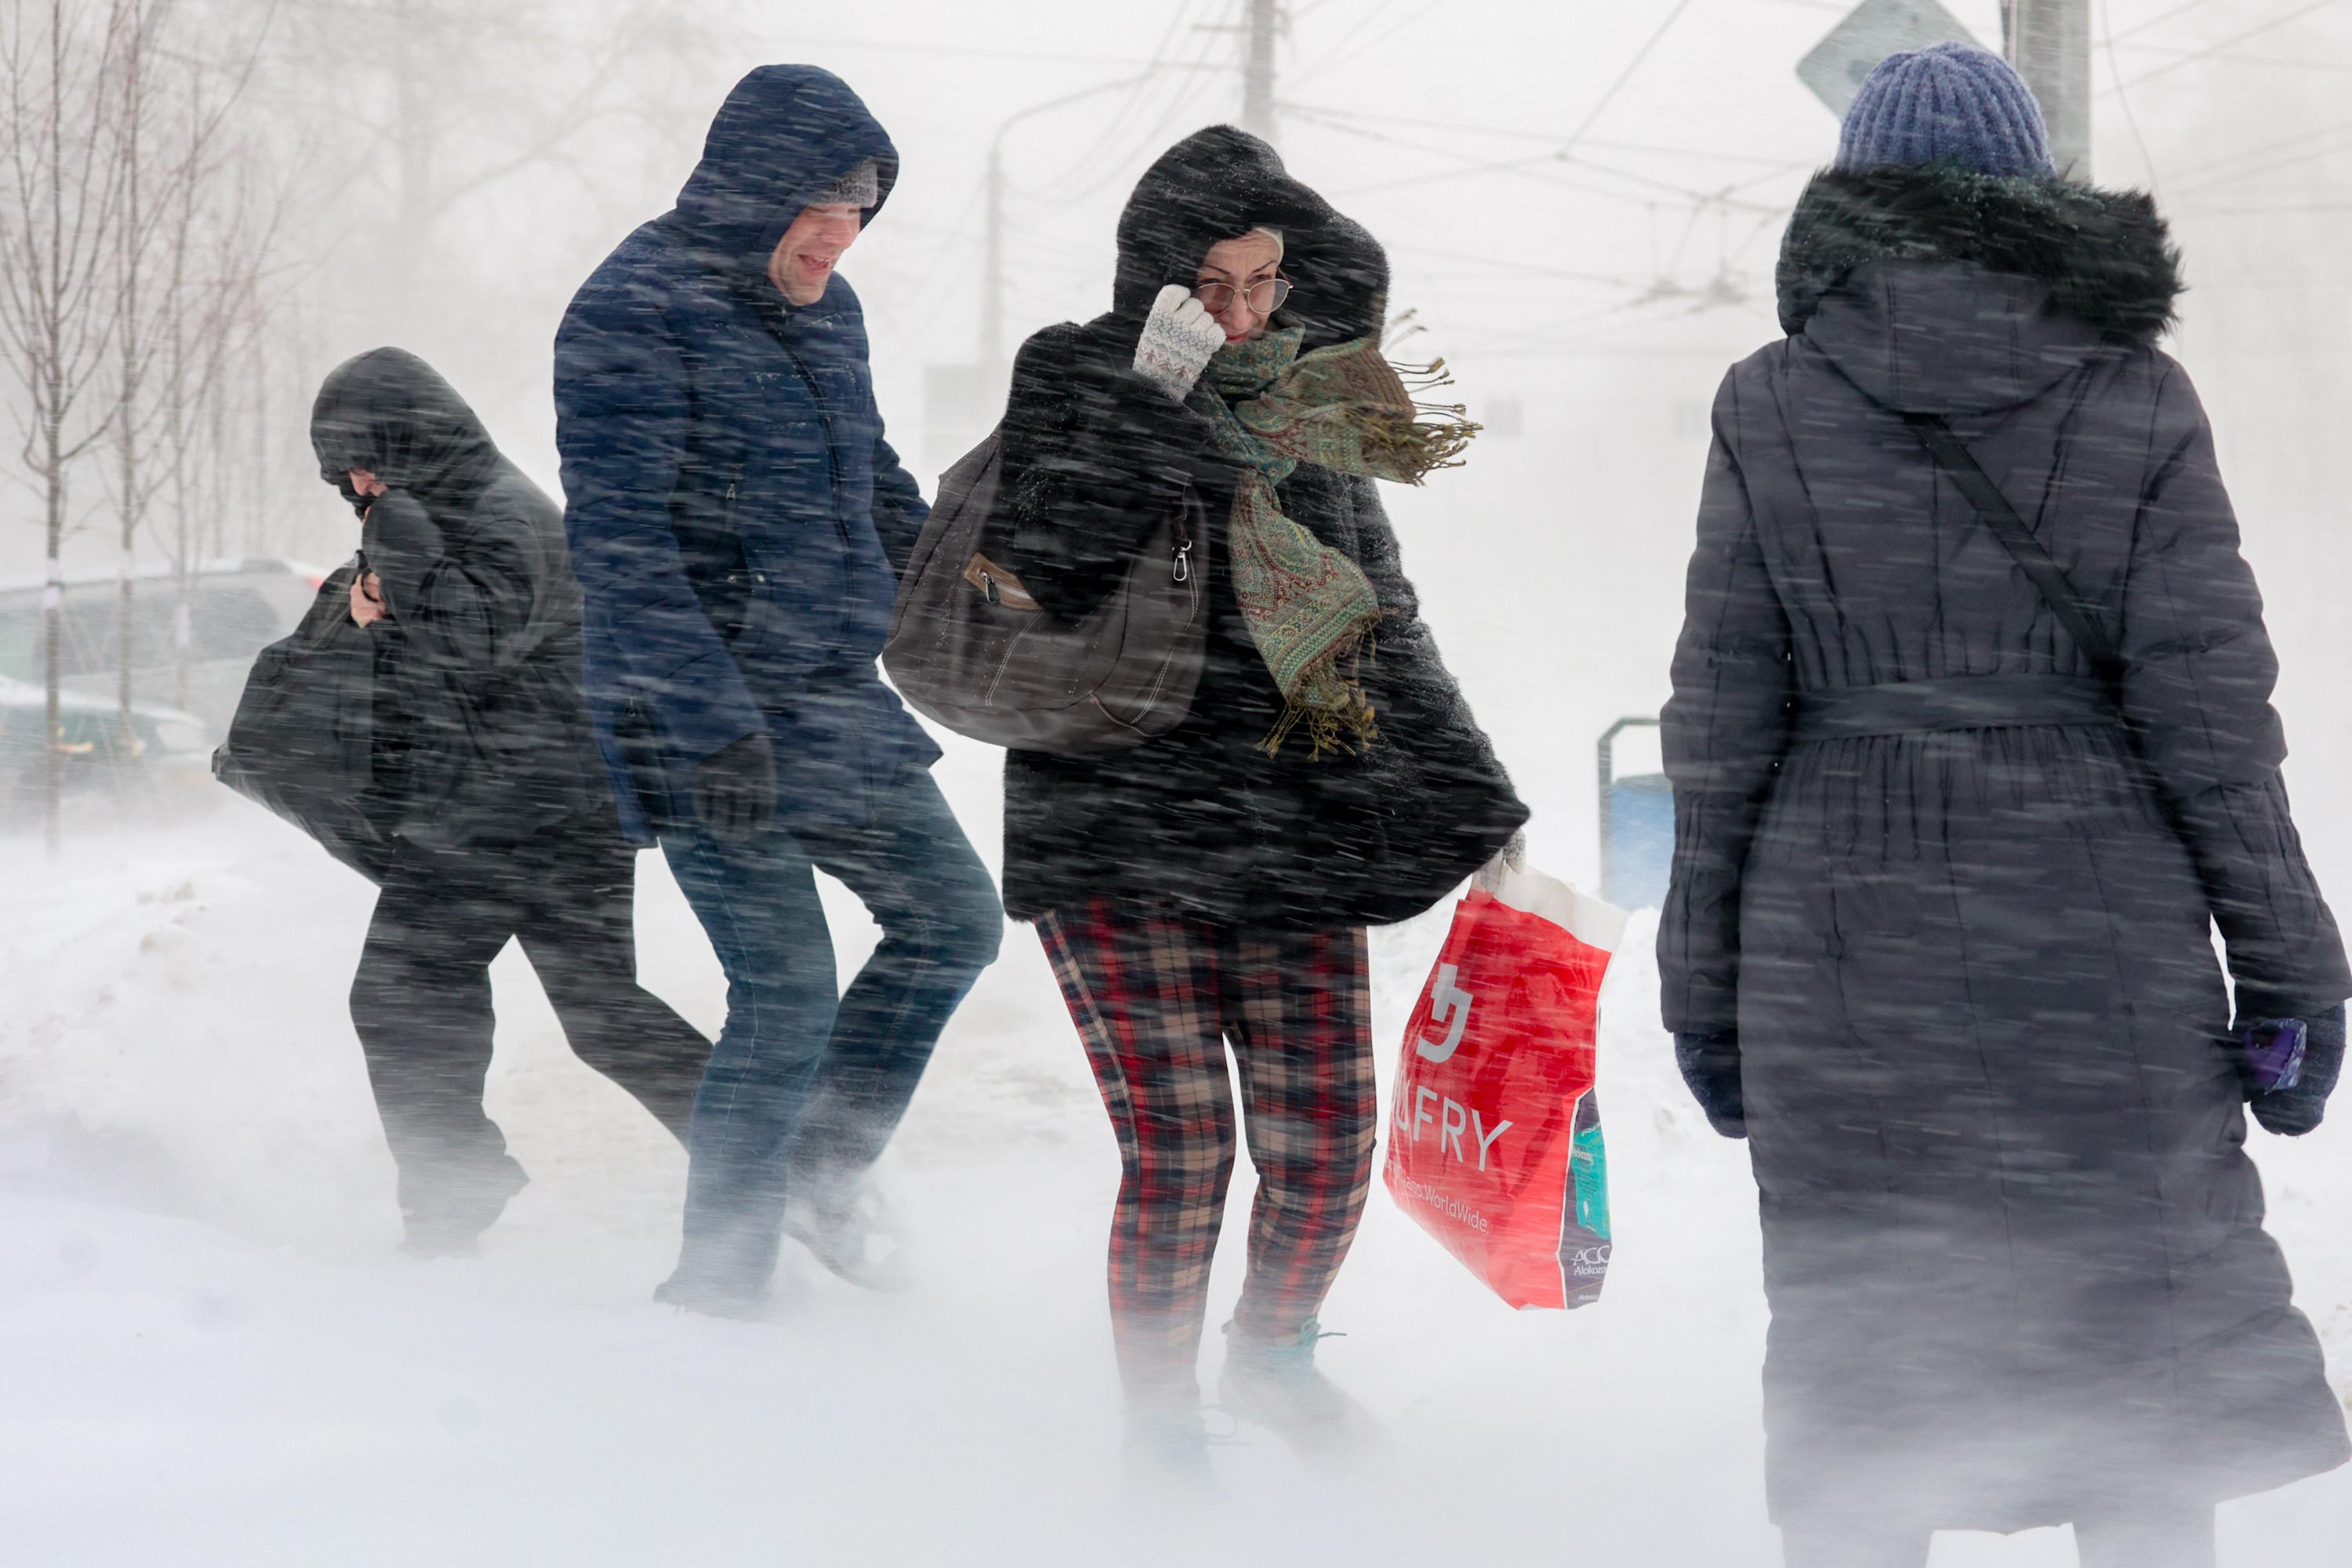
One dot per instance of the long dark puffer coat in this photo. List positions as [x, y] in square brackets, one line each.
[2013, 1245]
[482, 734]
[1203, 821]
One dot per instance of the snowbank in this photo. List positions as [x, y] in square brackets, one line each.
[215, 1358]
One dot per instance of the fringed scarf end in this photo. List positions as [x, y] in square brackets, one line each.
[1331, 706]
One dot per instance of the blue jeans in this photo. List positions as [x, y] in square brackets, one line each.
[806, 1087]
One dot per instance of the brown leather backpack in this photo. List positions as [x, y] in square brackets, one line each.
[971, 649]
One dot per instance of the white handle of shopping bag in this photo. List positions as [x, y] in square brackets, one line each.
[1582, 916]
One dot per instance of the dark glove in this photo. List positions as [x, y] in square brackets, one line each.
[735, 789]
[2292, 1112]
[402, 543]
[1710, 1065]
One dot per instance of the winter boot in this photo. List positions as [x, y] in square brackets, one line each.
[723, 1271]
[710, 1299]
[1274, 1382]
[449, 1221]
[850, 1232]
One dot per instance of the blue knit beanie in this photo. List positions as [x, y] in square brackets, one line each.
[1954, 103]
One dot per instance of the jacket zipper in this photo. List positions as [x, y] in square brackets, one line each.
[832, 467]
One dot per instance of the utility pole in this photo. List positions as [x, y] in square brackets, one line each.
[1257, 68]
[992, 261]
[2050, 44]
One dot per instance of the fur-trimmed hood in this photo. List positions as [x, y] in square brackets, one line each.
[1947, 291]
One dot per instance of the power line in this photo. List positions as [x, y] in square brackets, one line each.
[2274, 210]
[2152, 23]
[1330, 61]
[1535, 168]
[2274, 165]
[1624, 76]
[1184, 79]
[2197, 175]
[2115, 70]
[2277, 62]
[2272, 26]
[1338, 48]
[880, 47]
[1505, 264]
[1128, 104]
[1521, 134]
[1188, 89]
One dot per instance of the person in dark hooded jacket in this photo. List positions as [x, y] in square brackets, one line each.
[487, 789]
[1215, 883]
[1937, 940]
[737, 519]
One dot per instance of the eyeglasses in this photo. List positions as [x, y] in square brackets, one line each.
[1264, 297]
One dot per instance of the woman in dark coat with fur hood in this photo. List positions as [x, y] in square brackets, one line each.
[1938, 938]
[1215, 884]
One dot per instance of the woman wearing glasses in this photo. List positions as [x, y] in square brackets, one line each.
[1214, 885]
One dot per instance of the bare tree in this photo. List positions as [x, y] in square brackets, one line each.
[451, 99]
[138, 28]
[187, 248]
[60, 178]
[218, 299]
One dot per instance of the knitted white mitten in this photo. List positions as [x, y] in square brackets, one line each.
[1180, 338]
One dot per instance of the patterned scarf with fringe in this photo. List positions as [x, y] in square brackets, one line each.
[1310, 608]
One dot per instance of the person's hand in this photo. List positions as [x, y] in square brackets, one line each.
[1710, 1065]
[735, 789]
[1512, 856]
[367, 599]
[2292, 1112]
[1180, 338]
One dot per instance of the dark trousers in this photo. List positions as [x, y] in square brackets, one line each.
[421, 1003]
[1156, 998]
[807, 1082]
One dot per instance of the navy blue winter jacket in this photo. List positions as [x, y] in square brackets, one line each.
[735, 516]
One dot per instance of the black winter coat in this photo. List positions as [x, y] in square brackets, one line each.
[1201, 821]
[2013, 1244]
[481, 733]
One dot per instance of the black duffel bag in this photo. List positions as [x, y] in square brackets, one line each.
[299, 743]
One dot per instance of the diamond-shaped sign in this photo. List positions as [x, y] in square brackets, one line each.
[1877, 29]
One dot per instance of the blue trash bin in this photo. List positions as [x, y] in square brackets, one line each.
[1637, 828]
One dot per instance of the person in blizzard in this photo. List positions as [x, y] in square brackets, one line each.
[736, 521]
[1214, 885]
[487, 791]
[1937, 940]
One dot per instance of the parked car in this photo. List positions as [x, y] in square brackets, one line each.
[186, 673]
[235, 609]
[166, 750]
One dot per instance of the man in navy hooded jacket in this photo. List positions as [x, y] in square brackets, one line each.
[736, 521]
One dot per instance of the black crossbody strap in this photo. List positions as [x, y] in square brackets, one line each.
[2047, 576]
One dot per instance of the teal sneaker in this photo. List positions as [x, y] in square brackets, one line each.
[1275, 1383]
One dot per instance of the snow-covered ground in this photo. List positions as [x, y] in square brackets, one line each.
[213, 1355]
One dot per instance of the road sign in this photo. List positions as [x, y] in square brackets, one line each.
[1877, 29]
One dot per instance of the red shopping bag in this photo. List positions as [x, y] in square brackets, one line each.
[1495, 1146]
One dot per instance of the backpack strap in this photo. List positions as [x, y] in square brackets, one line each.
[2049, 579]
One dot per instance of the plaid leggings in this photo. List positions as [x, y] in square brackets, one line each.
[1155, 997]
